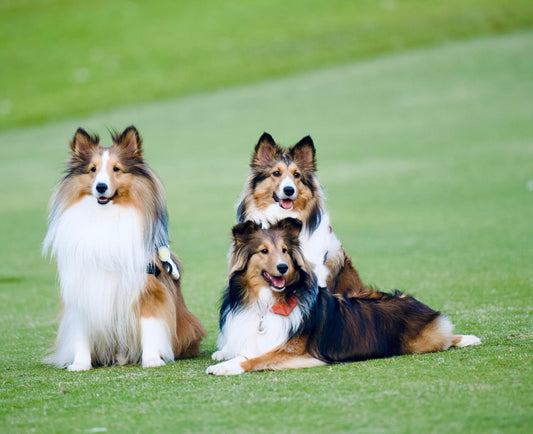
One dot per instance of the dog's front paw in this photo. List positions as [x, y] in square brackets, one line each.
[218, 356]
[77, 366]
[152, 362]
[230, 367]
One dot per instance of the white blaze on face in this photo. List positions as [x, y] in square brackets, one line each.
[287, 192]
[102, 179]
[288, 186]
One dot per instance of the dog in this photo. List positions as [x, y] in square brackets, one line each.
[274, 315]
[283, 183]
[120, 284]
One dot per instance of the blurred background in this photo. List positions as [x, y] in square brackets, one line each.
[64, 58]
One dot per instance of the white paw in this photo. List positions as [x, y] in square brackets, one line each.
[468, 340]
[152, 362]
[218, 356]
[77, 366]
[230, 367]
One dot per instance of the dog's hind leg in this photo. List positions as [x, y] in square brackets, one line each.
[157, 319]
[438, 336]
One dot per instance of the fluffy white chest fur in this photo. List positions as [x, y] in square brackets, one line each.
[322, 243]
[255, 330]
[102, 271]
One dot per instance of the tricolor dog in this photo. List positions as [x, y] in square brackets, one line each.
[120, 288]
[275, 316]
[283, 183]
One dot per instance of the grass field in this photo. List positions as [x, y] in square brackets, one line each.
[426, 159]
[69, 57]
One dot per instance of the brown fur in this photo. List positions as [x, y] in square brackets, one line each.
[292, 355]
[332, 328]
[132, 184]
[163, 299]
[269, 165]
[344, 278]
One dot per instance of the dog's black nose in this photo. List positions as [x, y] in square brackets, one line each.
[282, 268]
[101, 187]
[289, 191]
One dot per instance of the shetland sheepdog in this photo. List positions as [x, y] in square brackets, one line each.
[121, 300]
[283, 183]
[275, 316]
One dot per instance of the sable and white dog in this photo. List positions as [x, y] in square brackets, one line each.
[275, 316]
[283, 183]
[120, 291]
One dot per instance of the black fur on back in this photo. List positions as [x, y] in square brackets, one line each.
[359, 328]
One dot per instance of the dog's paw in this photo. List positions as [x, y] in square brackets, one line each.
[77, 366]
[468, 340]
[218, 356]
[229, 367]
[152, 362]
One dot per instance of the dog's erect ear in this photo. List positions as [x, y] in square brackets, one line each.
[83, 143]
[304, 153]
[242, 231]
[265, 151]
[129, 141]
[291, 227]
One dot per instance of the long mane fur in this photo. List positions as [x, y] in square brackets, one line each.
[147, 192]
[261, 165]
[102, 263]
[235, 297]
[337, 328]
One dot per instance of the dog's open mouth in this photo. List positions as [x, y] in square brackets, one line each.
[284, 203]
[102, 200]
[276, 282]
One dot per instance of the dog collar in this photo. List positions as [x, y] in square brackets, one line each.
[170, 265]
[153, 269]
[284, 307]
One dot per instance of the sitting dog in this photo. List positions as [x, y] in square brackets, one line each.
[283, 183]
[120, 289]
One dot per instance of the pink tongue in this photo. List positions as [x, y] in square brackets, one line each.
[285, 203]
[277, 282]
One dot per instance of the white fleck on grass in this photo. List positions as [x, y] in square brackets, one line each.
[81, 75]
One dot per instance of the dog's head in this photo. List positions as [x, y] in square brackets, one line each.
[106, 173]
[267, 257]
[283, 178]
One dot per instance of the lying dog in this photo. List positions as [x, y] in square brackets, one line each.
[275, 316]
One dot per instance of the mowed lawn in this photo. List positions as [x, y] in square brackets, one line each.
[68, 57]
[426, 158]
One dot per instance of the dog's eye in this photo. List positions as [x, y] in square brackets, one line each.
[264, 251]
[92, 169]
[276, 173]
[284, 250]
[115, 169]
[296, 175]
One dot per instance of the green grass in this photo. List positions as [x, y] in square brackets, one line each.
[63, 58]
[425, 157]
